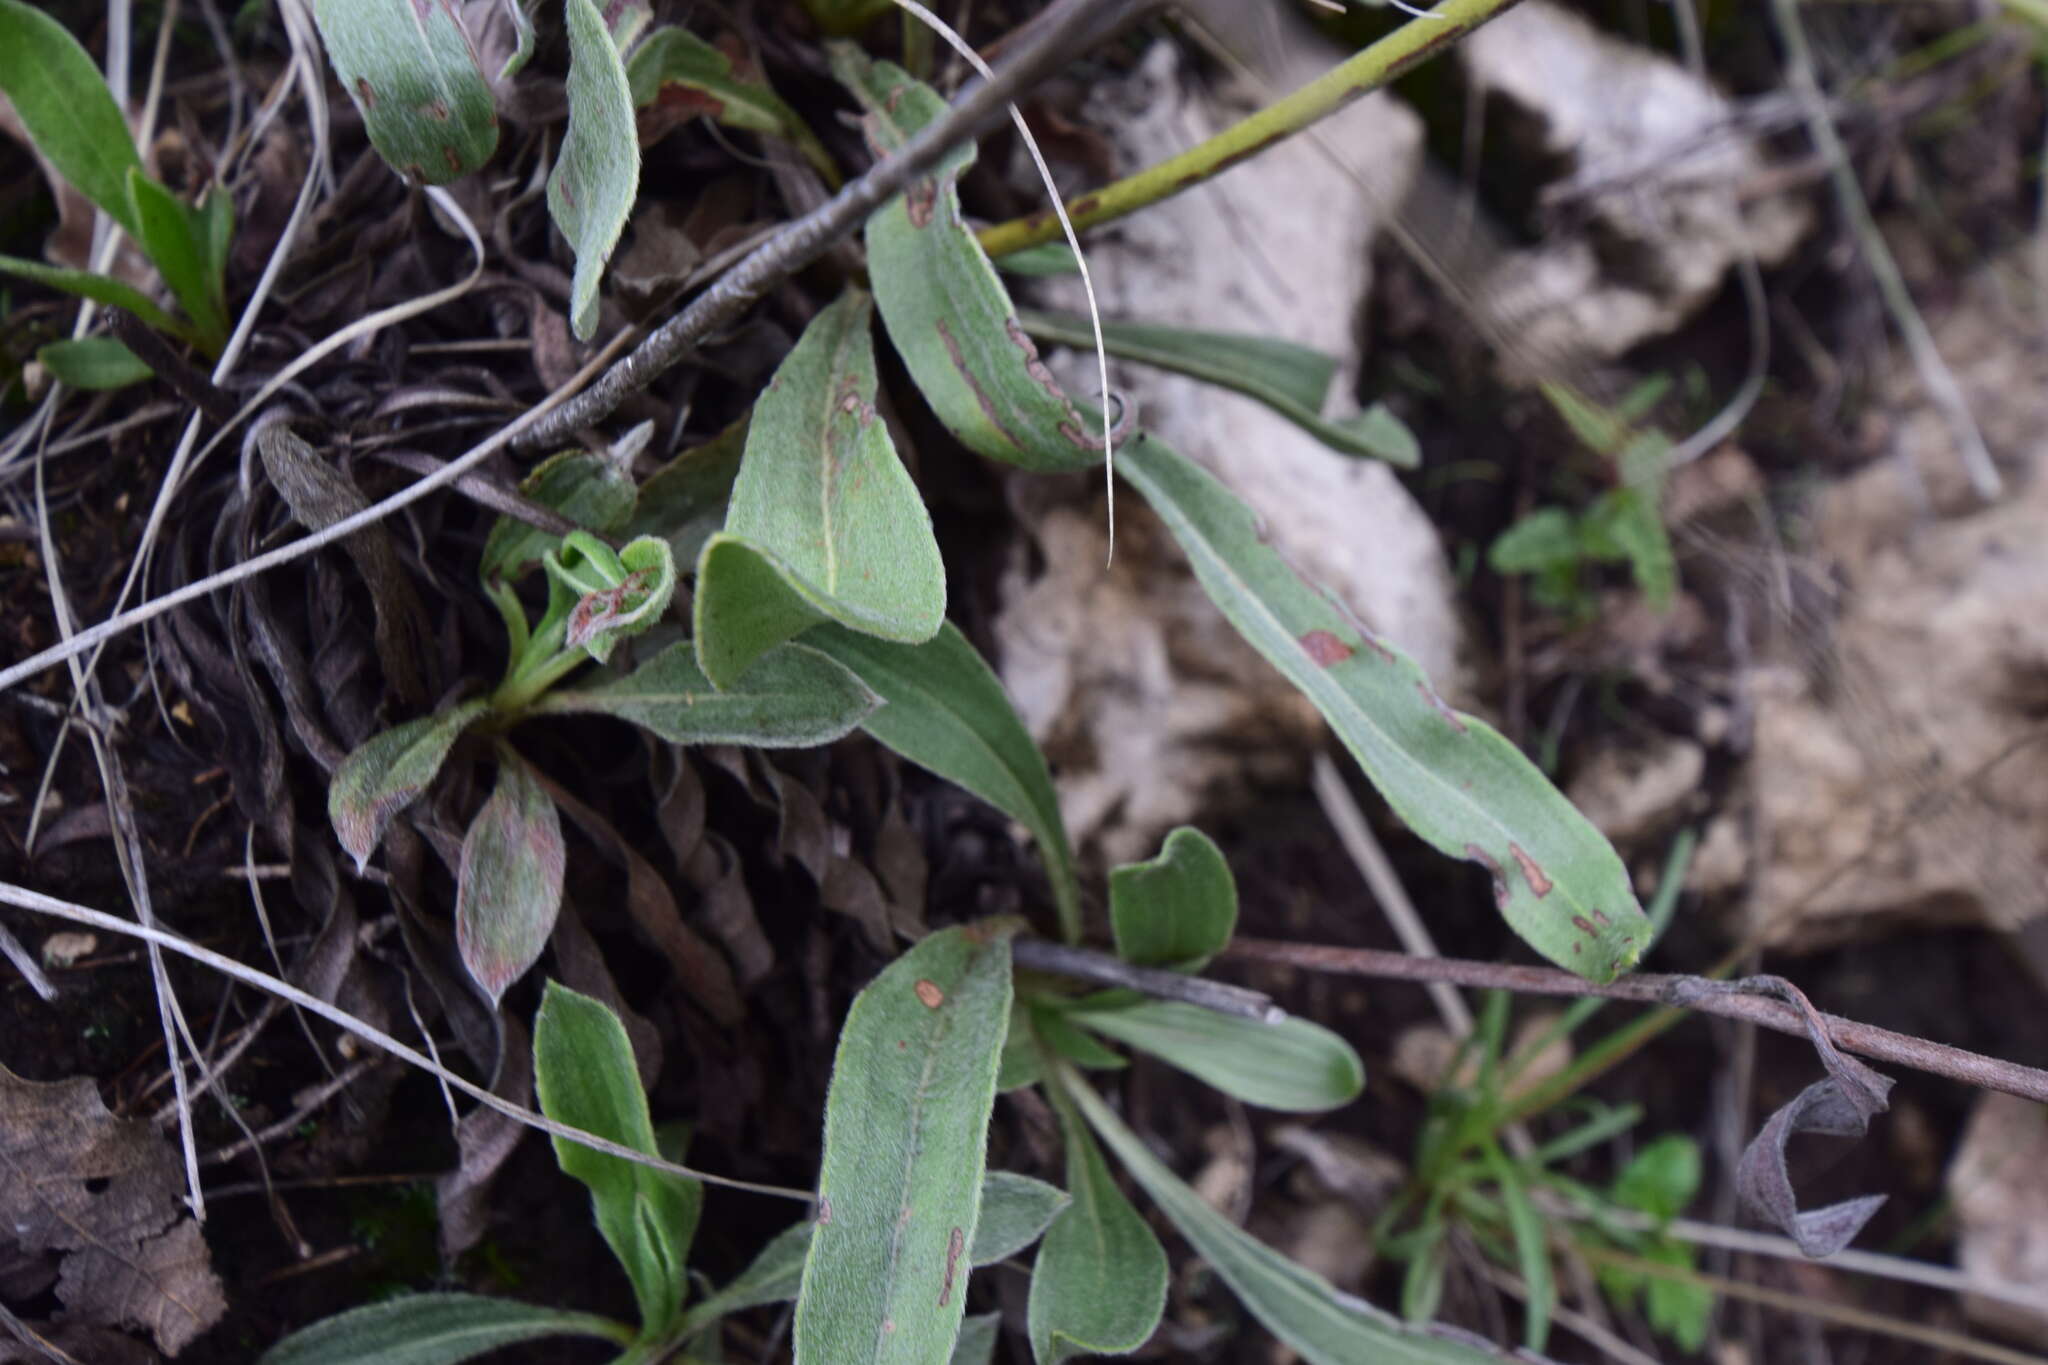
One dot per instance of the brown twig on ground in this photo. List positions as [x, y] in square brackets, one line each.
[1057, 959]
[1653, 988]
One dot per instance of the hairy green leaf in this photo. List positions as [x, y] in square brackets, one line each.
[93, 363]
[684, 502]
[433, 1329]
[584, 1074]
[1179, 909]
[773, 1276]
[1051, 1029]
[976, 1344]
[1293, 1064]
[1015, 1212]
[591, 489]
[619, 595]
[65, 106]
[1455, 780]
[598, 173]
[100, 289]
[412, 71]
[508, 887]
[676, 75]
[946, 710]
[1292, 380]
[382, 777]
[1327, 1326]
[945, 306]
[1099, 1284]
[173, 234]
[825, 522]
[794, 697]
[906, 1137]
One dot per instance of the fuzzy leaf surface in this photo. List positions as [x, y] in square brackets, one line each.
[1177, 910]
[906, 1139]
[65, 106]
[412, 71]
[105, 289]
[684, 502]
[385, 774]
[431, 1329]
[1015, 1212]
[676, 75]
[1293, 1065]
[794, 697]
[1099, 1284]
[589, 489]
[508, 889]
[173, 233]
[1455, 780]
[598, 173]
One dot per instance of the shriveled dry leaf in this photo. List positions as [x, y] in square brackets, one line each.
[105, 1195]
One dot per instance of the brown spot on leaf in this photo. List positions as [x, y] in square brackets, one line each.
[365, 94]
[437, 111]
[454, 160]
[1326, 649]
[919, 201]
[930, 994]
[1492, 865]
[824, 1211]
[1601, 916]
[955, 1244]
[684, 101]
[1539, 881]
[1584, 926]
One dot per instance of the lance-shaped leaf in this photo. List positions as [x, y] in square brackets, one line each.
[174, 235]
[945, 306]
[508, 888]
[93, 363]
[382, 777]
[1454, 779]
[1179, 909]
[946, 711]
[1291, 1064]
[1099, 1284]
[65, 106]
[825, 522]
[1324, 1324]
[675, 75]
[793, 697]
[433, 1329]
[412, 71]
[100, 289]
[598, 172]
[583, 1072]
[906, 1139]
[1292, 380]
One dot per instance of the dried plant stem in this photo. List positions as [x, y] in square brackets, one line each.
[810, 236]
[1392, 56]
[1652, 988]
[1057, 959]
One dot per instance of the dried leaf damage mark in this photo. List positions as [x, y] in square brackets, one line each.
[1492, 865]
[824, 1211]
[365, 94]
[1539, 881]
[929, 994]
[1584, 926]
[1326, 649]
[920, 200]
[981, 395]
[1429, 695]
[954, 1246]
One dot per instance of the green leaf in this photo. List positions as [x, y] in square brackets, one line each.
[1532, 1253]
[1662, 1178]
[590, 489]
[1050, 1028]
[433, 1329]
[1291, 380]
[508, 887]
[906, 1138]
[214, 220]
[1327, 1326]
[684, 502]
[100, 289]
[413, 73]
[1047, 258]
[598, 172]
[1099, 1284]
[1456, 781]
[825, 523]
[945, 306]
[1177, 910]
[677, 75]
[65, 106]
[1293, 1065]
[1015, 1212]
[1543, 539]
[1681, 1309]
[623, 594]
[584, 1074]
[795, 697]
[173, 235]
[1623, 524]
[976, 1344]
[93, 363]
[946, 711]
[382, 777]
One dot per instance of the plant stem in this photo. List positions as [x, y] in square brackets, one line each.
[1057, 959]
[1652, 988]
[1406, 47]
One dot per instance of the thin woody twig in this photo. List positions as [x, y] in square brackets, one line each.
[1057, 959]
[1727, 999]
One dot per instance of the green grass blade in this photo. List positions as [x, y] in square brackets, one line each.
[1532, 1254]
[1327, 1326]
[1293, 1065]
[1455, 780]
[172, 234]
[433, 1329]
[413, 73]
[1291, 380]
[906, 1137]
[945, 710]
[65, 106]
[793, 697]
[598, 173]
[825, 522]
[98, 288]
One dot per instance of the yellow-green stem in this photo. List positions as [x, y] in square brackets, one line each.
[1395, 55]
